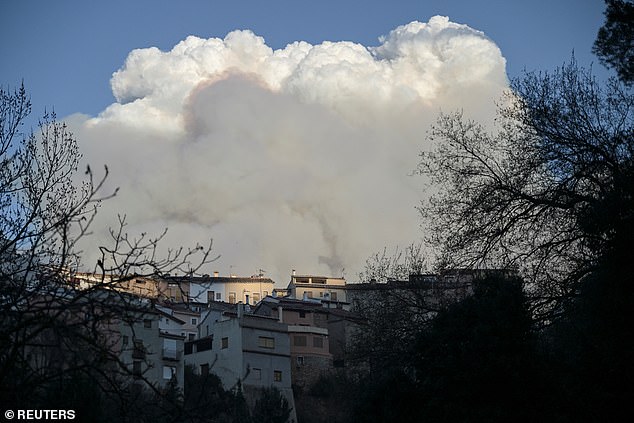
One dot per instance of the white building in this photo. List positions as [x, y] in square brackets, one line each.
[231, 289]
[149, 354]
[246, 348]
[330, 291]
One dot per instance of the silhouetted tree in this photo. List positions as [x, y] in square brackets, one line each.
[390, 310]
[271, 407]
[239, 408]
[477, 360]
[383, 267]
[615, 41]
[50, 329]
[205, 398]
[549, 190]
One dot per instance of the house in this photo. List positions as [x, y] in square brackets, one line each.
[246, 349]
[142, 286]
[112, 332]
[179, 289]
[189, 315]
[214, 313]
[434, 290]
[168, 322]
[169, 290]
[329, 290]
[231, 289]
[308, 332]
[148, 353]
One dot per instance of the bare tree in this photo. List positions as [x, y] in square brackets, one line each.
[49, 328]
[381, 267]
[548, 191]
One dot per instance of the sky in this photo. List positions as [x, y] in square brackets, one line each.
[287, 131]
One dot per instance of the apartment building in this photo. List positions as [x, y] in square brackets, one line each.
[244, 348]
[231, 289]
[149, 353]
[329, 290]
[308, 332]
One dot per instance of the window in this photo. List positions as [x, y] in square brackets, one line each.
[333, 296]
[224, 343]
[309, 294]
[256, 298]
[168, 372]
[300, 360]
[169, 349]
[125, 340]
[204, 344]
[232, 298]
[277, 375]
[299, 340]
[204, 369]
[302, 314]
[210, 296]
[139, 349]
[147, 323]
[318, 342]
[218, 296]
[194, 321]
[136, 368]
[191, 336]
[266, 342]
[257, 374]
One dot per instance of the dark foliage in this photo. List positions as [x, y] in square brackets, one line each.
[615, 41]
[54, 334]
[549, 191]
[271, 407]
[477, 361]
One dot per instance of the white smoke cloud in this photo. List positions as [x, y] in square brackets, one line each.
[297, 158]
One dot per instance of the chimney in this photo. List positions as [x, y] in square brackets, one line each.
[280, 314]
[293, 272]
[304, 297]
[240, 310]
[216, 274]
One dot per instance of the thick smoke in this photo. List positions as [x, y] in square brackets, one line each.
[298, 158]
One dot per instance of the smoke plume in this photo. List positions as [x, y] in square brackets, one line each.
[297, 158]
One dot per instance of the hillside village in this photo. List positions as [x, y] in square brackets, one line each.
[249, 333]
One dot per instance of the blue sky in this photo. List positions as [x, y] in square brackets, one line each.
[300, 159]
[66, 51]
